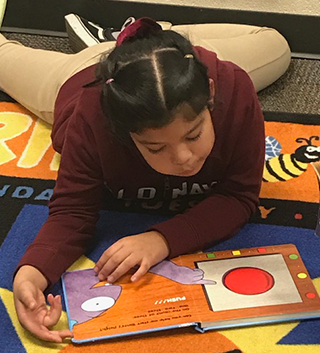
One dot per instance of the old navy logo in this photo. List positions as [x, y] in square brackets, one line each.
[149, 193]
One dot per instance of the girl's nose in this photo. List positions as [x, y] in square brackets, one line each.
[181, 155]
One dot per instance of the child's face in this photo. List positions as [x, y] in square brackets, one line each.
[179, 148]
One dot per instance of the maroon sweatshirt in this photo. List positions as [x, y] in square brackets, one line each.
[96, 168]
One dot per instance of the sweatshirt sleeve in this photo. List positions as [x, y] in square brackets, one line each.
[234, 199]
[73, 208]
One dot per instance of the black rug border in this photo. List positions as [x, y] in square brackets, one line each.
[295, 118]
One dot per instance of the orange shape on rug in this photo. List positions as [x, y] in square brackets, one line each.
[174, 341]
[26, 145]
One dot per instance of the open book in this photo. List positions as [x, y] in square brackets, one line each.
[205, 290]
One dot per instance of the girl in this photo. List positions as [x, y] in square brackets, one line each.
[155, 124]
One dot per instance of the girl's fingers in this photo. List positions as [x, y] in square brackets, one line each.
[47, 335]
[50, 298]
[112, 264]
[27, 299]
[65, 334]
[40, 318]
[142, 270]
[33, 324]
[123, 268]
[52, 336]
[54, 313]
[111, 251]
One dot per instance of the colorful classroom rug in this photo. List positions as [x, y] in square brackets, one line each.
[287, 214]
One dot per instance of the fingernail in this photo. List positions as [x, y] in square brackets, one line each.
[101, 277]
[96, 269]
[110, 279]
[133, 279]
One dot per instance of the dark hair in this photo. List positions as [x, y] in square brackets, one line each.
[154, 78]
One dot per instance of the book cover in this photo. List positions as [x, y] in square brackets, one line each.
[205, 290]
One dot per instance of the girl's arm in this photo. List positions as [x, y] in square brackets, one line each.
[73, 208]
[73, 213]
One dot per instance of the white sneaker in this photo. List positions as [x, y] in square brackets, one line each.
[83, 33]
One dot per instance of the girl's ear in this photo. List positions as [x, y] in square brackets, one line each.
[212, 93]
[212, 89]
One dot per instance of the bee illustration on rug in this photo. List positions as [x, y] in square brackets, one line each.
[282, 167]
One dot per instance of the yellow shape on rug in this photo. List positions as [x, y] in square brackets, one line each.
[81, 264]
[12, 125]
[37, 146]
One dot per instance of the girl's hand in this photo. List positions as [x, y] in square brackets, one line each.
[31, 308]
[144, 250]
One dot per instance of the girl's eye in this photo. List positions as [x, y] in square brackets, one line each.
[195, 138]
[156, 151]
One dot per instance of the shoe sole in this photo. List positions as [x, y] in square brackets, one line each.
[79, 37]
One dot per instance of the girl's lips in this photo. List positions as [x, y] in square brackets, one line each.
[189, 172]
[192, 171]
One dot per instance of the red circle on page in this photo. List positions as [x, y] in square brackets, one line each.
[248, 280]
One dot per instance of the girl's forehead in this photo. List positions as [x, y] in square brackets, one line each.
[185, 111]
[179, 127]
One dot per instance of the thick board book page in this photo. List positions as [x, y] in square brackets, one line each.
[160, 300]
[206, 290]
[253, 286]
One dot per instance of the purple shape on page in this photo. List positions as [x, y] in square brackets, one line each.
[180, 274]
[86, 302]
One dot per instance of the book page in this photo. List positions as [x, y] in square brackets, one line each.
[253, 285]
[98, 309]
[205, 289]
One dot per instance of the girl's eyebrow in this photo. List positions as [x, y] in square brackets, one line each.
[145, 142]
